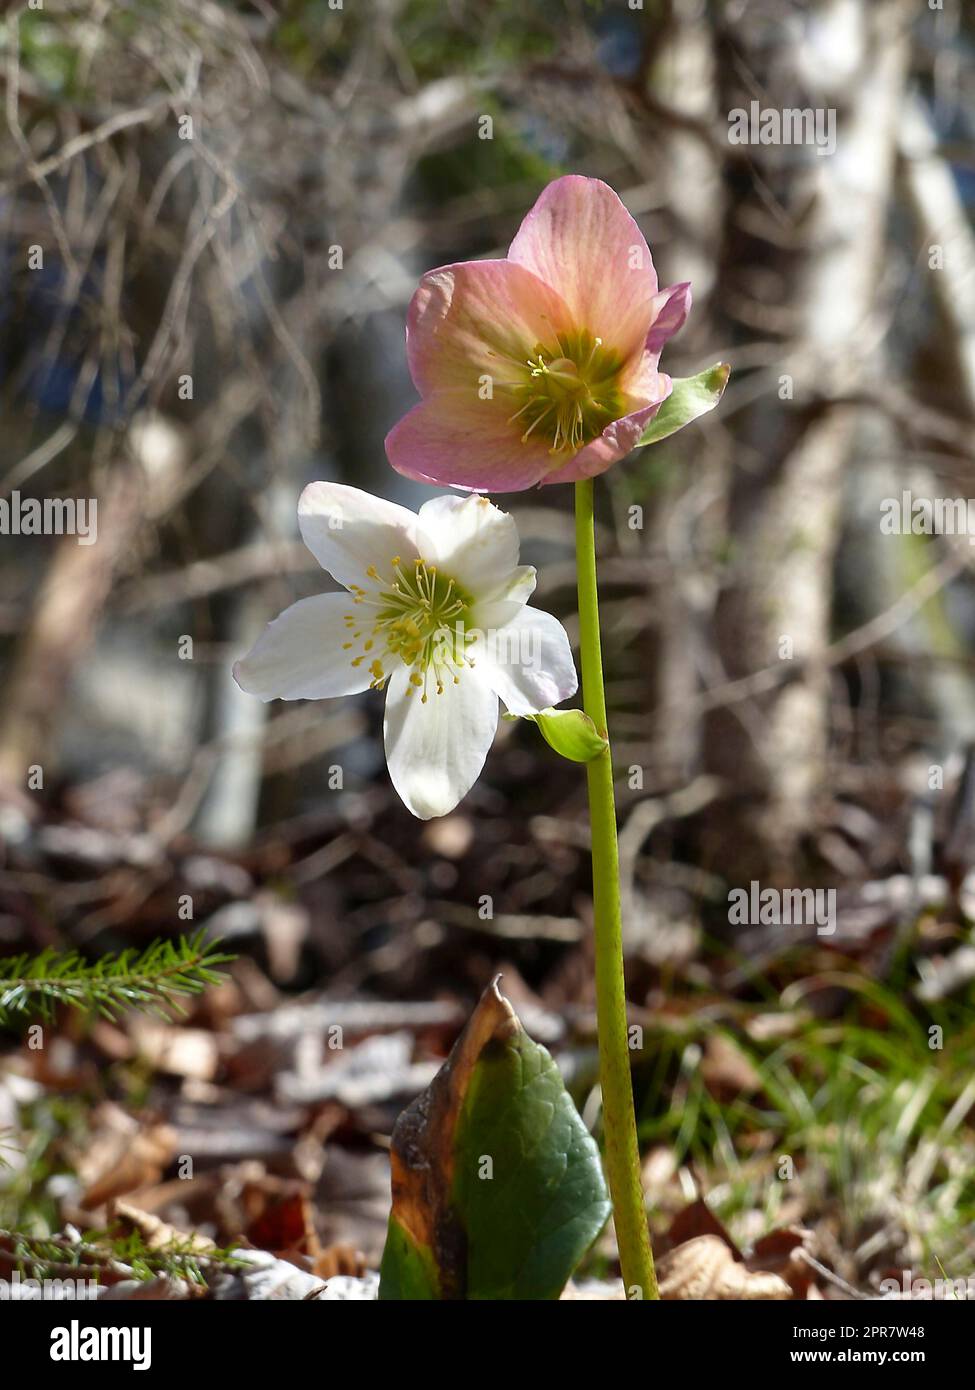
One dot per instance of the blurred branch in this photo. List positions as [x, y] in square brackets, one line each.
[861, 640]
[63, 623]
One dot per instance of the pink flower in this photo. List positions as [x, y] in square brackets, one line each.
[541, 368]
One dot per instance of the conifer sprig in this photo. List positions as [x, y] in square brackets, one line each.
[152, 980]
[128, 1255]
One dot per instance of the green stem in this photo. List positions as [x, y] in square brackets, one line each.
[619, 1120]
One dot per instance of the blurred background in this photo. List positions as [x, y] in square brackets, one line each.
[232, 205]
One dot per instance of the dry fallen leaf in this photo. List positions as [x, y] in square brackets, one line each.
[705, 1268]
[594, 1291]
[343, 1259]
[189, 1052]
[123, 1156]
[157, 1234]
[285, 1224]
[697, 1219]
[726, 1069]
[780, 1252]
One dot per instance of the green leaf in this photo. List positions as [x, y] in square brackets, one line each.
[571, 733]
[691, 397]
[408, 1270]
[498, 1189]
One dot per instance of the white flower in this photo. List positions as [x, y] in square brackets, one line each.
[435, 611]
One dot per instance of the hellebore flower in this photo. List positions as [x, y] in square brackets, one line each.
[436, 613]
[541, 368]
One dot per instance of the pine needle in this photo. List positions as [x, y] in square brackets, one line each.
[152, 980]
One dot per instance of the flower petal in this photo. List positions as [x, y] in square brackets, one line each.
[644, 383]
[498, 609]
[348, 530]
[300, 656]
[451, 442]
[529, 662]
[478, 319]
[580, 239]
[471, 540]
[436, 750]
[671, 307]
[615, 442]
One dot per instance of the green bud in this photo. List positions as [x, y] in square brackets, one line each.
[571, 733]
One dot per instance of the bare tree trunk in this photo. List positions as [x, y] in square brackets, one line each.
[61, 629]
[684, 76]
[804, 248]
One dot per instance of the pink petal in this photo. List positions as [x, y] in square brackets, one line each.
[644, 383]
[477, 319]
[672, 307]
[580, 239]
[615, 442]
[453, 439]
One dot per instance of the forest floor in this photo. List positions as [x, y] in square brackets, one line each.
[805, 1100]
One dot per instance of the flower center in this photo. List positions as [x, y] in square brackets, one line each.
[419, 618]
[569, 394]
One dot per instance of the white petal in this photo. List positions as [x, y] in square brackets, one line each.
[299, 656]
[528, 662]
[348, 530]
[507, 601]
[471, 540]
[436, 750]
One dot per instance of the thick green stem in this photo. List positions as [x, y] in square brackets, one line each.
[619, 1120]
